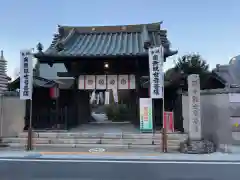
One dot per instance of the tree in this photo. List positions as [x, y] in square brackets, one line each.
[191, 64]
[186, 65]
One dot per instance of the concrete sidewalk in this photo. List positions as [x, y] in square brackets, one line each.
[215, 157]
[19, 154]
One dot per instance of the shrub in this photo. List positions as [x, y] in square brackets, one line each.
[117, 112]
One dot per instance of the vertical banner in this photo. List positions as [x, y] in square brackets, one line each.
[146, 123]
[123, 82]
[101, 82]
[156, 59]
[112, 81]
[81, 82]
[26, 74]
[132, 81]
[195, 130]
[90, 82]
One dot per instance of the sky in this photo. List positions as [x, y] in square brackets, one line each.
[208, 27]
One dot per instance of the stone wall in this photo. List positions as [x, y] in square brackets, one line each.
[215, 115]
[12, 116]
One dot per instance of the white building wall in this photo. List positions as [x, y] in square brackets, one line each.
[51, 72]
[215, 116]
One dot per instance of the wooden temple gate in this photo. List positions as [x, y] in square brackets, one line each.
[85, 51]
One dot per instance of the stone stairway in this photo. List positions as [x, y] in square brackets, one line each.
[92, 140]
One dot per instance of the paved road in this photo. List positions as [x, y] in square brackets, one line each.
[115, 170]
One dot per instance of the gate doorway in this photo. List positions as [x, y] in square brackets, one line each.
[73, 108]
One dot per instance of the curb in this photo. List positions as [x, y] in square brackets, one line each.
[122, 159]
[140, 160]
[100, 153]
[132, 157]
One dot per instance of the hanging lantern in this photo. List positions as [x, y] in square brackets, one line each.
[54, 92]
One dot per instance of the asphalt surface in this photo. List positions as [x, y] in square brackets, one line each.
[112, 170]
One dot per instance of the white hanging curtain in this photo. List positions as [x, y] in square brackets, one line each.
[101, 97]
[115, 95]
[93, 97]
[107, 94]
[98, 98]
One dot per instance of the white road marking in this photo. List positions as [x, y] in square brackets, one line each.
[97, 150]
[119, 161]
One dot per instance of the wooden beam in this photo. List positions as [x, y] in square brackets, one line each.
[65, 74]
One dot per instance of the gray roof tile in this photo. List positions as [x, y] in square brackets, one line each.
[229, 73]
[110, 40]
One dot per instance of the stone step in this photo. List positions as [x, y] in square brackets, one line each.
[78, 135]
[172, 148]
[90, 141]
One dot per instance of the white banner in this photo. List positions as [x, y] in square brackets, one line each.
[115, 95]
[90, 82]
[107, 97]
[156, 59]
[81, 82]
[123, 82]
[26, 74]
[195, 130]
[101, 82]
[107, 82]
[132, 81]
[112, 81]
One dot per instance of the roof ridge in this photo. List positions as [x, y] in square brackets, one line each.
[155, 23]
[116, 28]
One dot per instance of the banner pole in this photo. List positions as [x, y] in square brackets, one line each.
[29, 145]
[164, 133]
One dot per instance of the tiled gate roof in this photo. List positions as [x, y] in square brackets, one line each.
[99, 41]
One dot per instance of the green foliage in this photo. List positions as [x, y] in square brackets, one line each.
[186, 65]
[191, 64]
[117, 112]
[169, 74]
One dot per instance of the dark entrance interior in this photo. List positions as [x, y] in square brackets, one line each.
[69, 110]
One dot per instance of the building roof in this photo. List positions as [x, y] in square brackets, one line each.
[102, 41]
[229, 73]
[37, 81]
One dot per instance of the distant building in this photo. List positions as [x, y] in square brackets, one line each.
[229, 73]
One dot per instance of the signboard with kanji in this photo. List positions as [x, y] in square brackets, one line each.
[146, 122]
[156, 59]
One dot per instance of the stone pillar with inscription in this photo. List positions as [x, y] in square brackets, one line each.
[195, 124]
[195, 143]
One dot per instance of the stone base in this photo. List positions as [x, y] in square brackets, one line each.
[197, 147]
